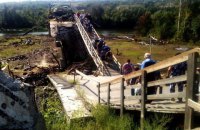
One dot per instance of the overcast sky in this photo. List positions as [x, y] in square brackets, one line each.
[3, 1]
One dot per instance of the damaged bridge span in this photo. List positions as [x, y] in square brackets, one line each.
[109, 87]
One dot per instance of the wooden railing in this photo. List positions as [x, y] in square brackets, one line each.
[192, 91]
[109, 91]
[89, 46]
[113, 56]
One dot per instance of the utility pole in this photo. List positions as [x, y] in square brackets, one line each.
[150, 44]
[179, 16]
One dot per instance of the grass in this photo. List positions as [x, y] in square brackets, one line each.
[13, 51]
[135, 52]
[49, 105]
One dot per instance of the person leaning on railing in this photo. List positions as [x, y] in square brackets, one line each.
[150, 76]
[177, 70]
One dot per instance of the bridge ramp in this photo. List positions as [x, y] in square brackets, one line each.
[72, 103]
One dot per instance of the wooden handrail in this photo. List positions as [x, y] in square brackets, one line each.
[114, 58]
[191, 91]
[194, 105]
[158, 66]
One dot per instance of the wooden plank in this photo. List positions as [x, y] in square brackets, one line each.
[191, 71]
[194, 105]
[143, 99]
[166, 96]
[133, 86]
[168, 80]
[122, 97]
[133, 97]
[99, 96]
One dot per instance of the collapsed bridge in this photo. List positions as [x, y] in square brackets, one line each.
[113, 90]
[77, 45]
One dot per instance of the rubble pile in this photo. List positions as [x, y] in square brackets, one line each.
[18, 109]
[18, 57]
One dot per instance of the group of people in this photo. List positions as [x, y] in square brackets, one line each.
[86, 21]
[175, 70]
[103, 50]
[99, 44]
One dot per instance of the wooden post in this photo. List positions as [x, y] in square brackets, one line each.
[190, 90]
[143, 99]
[74, 76]
[122, 98]
[108, 96]
[98, 86]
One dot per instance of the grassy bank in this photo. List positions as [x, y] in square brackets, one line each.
[13, 46]
[135, 51]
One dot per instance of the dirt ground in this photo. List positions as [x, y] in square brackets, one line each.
[29, 58]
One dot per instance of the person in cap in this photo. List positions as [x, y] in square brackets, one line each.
[148, 61]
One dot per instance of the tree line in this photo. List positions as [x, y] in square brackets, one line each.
[150, 18]
[23, 15]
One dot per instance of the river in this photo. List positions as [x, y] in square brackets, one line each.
[105, 32]
[18, 33]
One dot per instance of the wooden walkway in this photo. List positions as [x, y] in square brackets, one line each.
[89, 84]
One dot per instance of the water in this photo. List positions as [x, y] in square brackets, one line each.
[18, 33]
[105, 32]
[114, 32]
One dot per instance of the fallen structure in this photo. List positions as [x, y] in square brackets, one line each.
[17, 105]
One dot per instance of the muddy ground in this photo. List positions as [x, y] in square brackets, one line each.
[29, 58]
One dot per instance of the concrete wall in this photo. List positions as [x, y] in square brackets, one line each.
[17, 106]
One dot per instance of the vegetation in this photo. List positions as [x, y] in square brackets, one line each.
[158, 19]
[23, 15]
[135, 52]
[50, 107]
[14, 46]
[103, 118]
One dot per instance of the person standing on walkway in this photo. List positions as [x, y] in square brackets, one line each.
[127, 68]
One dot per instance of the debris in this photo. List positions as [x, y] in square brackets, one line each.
[19, 57]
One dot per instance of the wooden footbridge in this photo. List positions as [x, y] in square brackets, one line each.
[111, 89]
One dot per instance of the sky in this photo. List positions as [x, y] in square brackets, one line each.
[3, 1]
